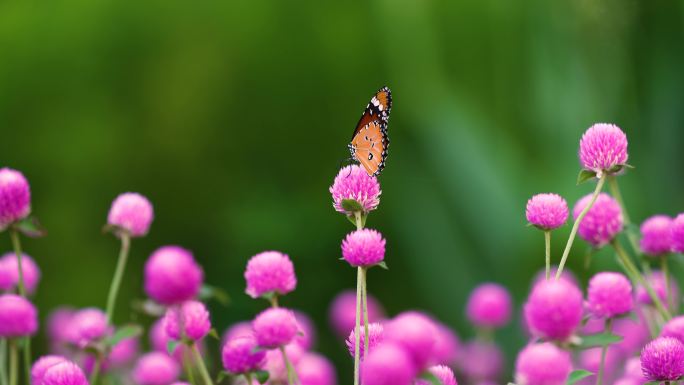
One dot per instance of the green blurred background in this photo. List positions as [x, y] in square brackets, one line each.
[232, 118]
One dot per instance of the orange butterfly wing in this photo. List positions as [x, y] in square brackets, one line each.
[370, 141]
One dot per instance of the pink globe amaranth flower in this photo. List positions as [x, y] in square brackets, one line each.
[657, 281]
[388, 364]
[489, 306]
[375, 337]
[343, 312]
[64, 373]
[15, 197]
[602, 222]
[276, 366]
[609, 295]
[172, 276]
[275, 327]
[447, 345]
[416, 333]
[306, 337]
[554, 309]
[663, 359]
[677, 234]
[270, 272]
[132, 213]
[674, 328]
[547, 211]
[87, 326]
[656, 235]
[240, 355]
[480, 361]
[365, 247]
[603, 147]
[633, 370]
[42, 365]
[443, 373]
[314, 369]
[155, 368]
[542, 364]
[238, 329]
[352, 182]
[9, 272]
[18, 317]
[192, 317]
[634, 335]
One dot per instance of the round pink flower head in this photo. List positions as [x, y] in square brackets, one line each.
[489, 306]
[657, 281]
[656, 235]
[634, 335]
[446, 346]
[15, 197]
[677, 234]
[352, 182]
[155, 368]
[275, 365]
[42, 365]
[59, 327]
[18, 316]
[275, 327]
[416, 333]
[365, 247]
[602, 222]
[609, 295]
[375, 336]
[64, 373]
[314, 369]
[9, 272]
[674, 328]
[240, 355]
[159, 341]
[603, 148]
[554, 309]
[480, 361]
[663, 359]
[132, 213]
[542, 364]
[192, 317]
[172, 276]
[307, 331]
[566, 275]
[87, 326]
[238, 329]
[547, 211]
[123, 352]
[343, 312]
[443, 373]
[633, 370]
[270, 272]
[388, 364]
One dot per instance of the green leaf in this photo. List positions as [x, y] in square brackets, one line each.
[261, 376]
[124, 332]
[585, 175]
[171, 346]
[214, 333]
[428, 376]
[600, 339]
[208, 292]
[577, 375]
[30, 227]
[382, 264]
[351, 205]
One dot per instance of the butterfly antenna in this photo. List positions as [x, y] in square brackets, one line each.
[345, 162]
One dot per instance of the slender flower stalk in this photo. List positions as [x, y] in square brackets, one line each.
[575, 226]
[664, 266]
[615, 192]
[118, 274]
[200, 363]
[291, 373]
[16, 244]
[3, 361]
[547, 248]
[357, 327]
[634, 273]
[604, 351]
[95, 373]
[187, 366]
[248, 378]
[13, 363]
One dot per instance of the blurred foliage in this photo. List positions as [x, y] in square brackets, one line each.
[232, 118]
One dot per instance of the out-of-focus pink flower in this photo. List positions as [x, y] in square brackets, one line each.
[190, 320]
[603, 147]
[609, 295]
[547, 211]
[634, 335]
[657, 281]
[677, 234]
[443, 373]
[388, 364]
[307, 331]
[447, 345]
[64, 373]
[352, 182]
[275, 327]
[656, 235]
[238, 329]
[489, 306]
[18, 317]
[156, 368]
[132, 213]
[314, 369]
[87, 326]
[480, 361]
[270, 272]
[416, 333]
[343, 312]
[674, 328]
[159, 341]
[365, 247]
[275, 365]
[15, 197]
[172, 276]
[240, 355]
[375, 337]
[9, 272]
[663, 359]
[554, 309]
[590, 360]
[542, 364]
[42, 365]
[602, 222]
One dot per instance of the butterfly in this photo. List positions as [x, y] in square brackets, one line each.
[370, 141]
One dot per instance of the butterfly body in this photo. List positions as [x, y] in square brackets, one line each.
[369, 142]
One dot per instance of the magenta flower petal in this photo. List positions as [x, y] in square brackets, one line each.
[15, 197]
[602, 147]
[9, 272]
[307, 331]
[275, 327]
[87, 326]
[481, 361]
[276, 366]
[192, 317]
[388, 364]
[663, 359]
[172, 276]
[314, 369]
[155, 368]
[674, 328]
[131, 212]
[416, 333]
[489, 306]
[352, 182]
[677, 234]
[609, 295]
[542, 364]
[270, 272]
[554, 309]
[656, 235]
[365, 247]
[240, 355]
[18, 317]
[602, 222]
[447, 346]
[343, 312]
[375, 336]
[42, 365]
[64, 373]
[547, 211]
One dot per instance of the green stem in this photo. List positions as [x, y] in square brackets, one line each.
[364, 299]
[248, 378]
[3, 361]
[666, 276]
[575, 226]
[604, 350]
[615, 191]
[16, 244]
[118, 275]
[632, 269]
[96, 370]
[13, 363]
[357, 327]
[547, 248]
[187, 364]
[292, 377]
[274, 300]
[200, 363]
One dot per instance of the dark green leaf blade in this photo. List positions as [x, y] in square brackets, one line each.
[600, 339]
[577, 375]
[584, 176]
[261, 376]
[124, 332]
